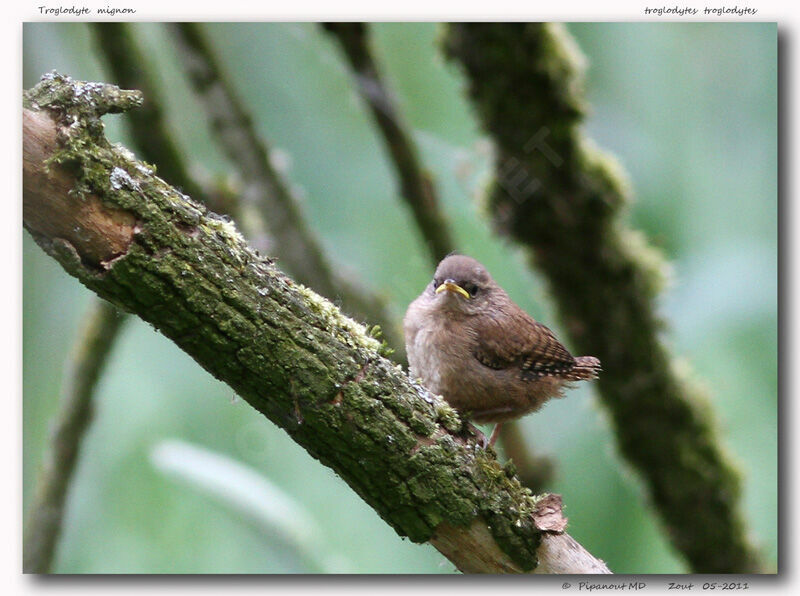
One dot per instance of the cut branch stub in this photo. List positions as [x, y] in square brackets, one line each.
[548, 515]
[99, 232]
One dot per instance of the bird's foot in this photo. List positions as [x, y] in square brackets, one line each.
[495, 433]
[482, 440]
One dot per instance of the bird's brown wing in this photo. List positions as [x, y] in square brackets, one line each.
[521, 342]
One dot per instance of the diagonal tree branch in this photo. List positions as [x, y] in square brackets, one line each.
[135, 241]
[561, 198]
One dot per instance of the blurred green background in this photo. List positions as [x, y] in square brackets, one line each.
[691, 112]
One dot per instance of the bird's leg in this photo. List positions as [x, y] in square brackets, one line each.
[490, 415]
[495, 434]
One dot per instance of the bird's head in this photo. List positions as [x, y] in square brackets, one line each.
[461, 284]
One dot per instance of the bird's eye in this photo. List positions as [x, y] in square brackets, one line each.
[436, 283]
[471, 288]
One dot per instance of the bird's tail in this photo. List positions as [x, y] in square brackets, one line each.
[586, 368]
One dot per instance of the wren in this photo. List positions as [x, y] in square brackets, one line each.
[470, 343]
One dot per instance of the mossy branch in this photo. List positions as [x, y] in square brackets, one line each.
[138, 243]
[561, 197]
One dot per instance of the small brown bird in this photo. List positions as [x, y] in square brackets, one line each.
[469, 342]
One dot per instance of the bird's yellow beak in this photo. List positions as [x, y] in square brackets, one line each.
[450, 286]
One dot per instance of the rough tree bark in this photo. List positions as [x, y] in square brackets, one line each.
[147, 248]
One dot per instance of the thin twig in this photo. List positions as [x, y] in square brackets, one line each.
[294, 243]
[416, 185]
[46, 512]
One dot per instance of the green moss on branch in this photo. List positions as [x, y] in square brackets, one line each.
[556, 194]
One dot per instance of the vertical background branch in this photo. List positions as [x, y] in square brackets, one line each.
[416, 184]
[46, 512]
[560, 197]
